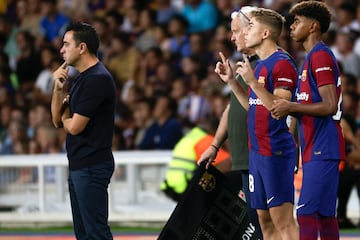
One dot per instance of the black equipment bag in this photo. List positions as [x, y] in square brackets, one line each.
[209, 210]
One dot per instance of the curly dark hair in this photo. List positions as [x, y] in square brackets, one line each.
[313, 9]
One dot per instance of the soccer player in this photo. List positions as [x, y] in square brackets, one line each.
[318, 108]
[272, 146]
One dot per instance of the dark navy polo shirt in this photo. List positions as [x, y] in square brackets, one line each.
[92, 95]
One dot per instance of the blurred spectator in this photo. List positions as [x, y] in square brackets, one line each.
[225, 46]
[147, 37]
[196, 106]
[178, 4]
[146, 66]
[162, 38]
[127, 4]
[114, 21]
[346, 16]
[222, 32]
[7, 77]
[165, 11]
[102, 29]
[5, 117]
[16, 133]
[108, 6]
[193, 71]
[5, 97]
[5, 83]
[21, 11]
[10, 11]
[46, 138]
[75, 9]
[96, 5]
[53, 23]
[18, 114]
[179, 42]
[356, 27]
[162, 78]
[349, 60]
[201, 15]
[125, 127]
[9, 30]
[131, 23]
[31, 20]
[218, 104]
[38, 114]
[15, 114]
[179, 92]
[131, 96]
[121, 58]
[348, 83]
[28, 64]
[225, 8]
[166, 130]
[143, 118]
[44, 83]
[280, 6]
[199, 44]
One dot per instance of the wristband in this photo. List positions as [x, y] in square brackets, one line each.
[217, 149]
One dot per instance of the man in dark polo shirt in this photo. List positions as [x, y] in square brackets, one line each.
[86, 112]
[233, 123]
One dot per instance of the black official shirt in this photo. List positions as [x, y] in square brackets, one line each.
[92, 95]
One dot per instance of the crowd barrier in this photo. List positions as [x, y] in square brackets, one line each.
[134, 193]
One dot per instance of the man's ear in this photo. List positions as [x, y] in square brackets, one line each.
[314, 26]
[82, 47]
[266, 33]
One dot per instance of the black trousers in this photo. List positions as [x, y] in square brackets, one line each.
[89, 201]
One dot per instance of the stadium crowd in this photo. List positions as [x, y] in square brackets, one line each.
[162, 54]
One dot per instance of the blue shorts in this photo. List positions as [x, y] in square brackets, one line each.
[319, 188]
[271, 180]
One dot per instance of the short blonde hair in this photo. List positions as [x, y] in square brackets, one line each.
[270, 18]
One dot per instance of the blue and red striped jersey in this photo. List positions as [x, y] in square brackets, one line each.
[269, 136]
[320, 137]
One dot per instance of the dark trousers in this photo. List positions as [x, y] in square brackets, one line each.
[241, 180]
[89, 201]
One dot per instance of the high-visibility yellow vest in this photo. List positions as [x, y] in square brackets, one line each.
[183, 162]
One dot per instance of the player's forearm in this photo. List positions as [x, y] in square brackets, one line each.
[240, 93]
[221, 132]
[315, 109]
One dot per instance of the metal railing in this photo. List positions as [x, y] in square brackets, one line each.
[131, 183]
